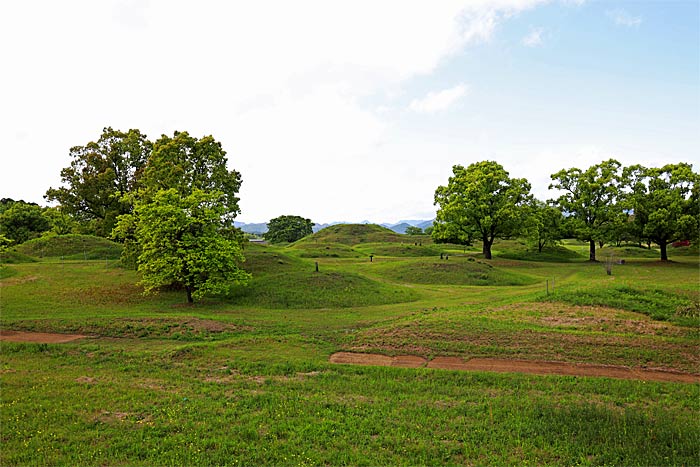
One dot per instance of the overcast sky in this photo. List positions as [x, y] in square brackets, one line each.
[351, 111]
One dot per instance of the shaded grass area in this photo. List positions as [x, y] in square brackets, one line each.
[201, 405]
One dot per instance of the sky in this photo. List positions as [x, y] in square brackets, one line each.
[352, 110]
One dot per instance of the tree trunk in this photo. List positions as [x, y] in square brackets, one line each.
[664, 254]
[487, 248]
[189, 294]
[591, 250]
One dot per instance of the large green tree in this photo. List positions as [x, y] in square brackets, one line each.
[483, 200]
[590, 200]
[183, 242]
[186, 163]
[20, 221]
[100, 175]
[665, 203]
[288, 229]
[544, 226]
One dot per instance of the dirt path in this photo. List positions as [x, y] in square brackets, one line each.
[515, 366]
[38, 337]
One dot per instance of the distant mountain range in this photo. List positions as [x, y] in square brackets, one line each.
[399, 227]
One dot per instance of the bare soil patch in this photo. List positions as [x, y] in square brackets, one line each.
[39, 337]
[516, 366]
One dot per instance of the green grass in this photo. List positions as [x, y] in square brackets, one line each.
[71, 247]
[245, 380]
[658, 304]
[353, 234]
[324, 250]
[452, 271]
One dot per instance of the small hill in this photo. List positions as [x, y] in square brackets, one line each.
[71, 247]
[353, 234]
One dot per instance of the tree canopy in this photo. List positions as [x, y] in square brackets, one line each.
[186, 163]
[483, 200]
[288, 229]
[665, 203]
[182, 243]
[20, 221]
[590, 200]
[100, 175]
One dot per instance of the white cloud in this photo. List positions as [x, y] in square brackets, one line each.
[534, 38]
[440, 100]
[280, 84]
[623, 18]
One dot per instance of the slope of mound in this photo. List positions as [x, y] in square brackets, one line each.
[405, 249]
[455, 271]
[353, 234]
[313, 290]
[71, 247]
[324, 250]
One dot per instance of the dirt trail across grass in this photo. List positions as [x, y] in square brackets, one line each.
[38, 337]
[515, 366]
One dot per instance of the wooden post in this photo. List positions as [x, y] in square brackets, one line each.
[316, 266]
[547, 286]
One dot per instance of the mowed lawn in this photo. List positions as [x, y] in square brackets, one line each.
[246, 379]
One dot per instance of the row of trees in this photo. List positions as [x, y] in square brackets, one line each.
[604, 203]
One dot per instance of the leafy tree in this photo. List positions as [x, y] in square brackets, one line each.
[4, 243]
[413, 230]
[544, 225]
[60, 223]
[22, 221]
[590, 200]
[100, 176]
[186, 163]
[665, 202]
[482, 200]
[288, 229]
[184, 243]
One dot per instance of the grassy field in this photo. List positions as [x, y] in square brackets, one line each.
[245, 379]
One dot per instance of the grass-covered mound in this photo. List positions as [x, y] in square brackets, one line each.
[551, 254]
[284, 281]
[404, 249]
[657, 304]
[71, 247]
[354, 234]
[455, 271]
[324, 250]
[324, 289]
[14, 257]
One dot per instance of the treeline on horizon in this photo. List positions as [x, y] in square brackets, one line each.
[138, 192]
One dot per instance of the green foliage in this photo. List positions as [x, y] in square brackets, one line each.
[288, 229]
[590, 200]
[186, 164]
[183, 243]
[482, 200]
[20, 221]
[552, 254]
[100, 176]
[72, 246]
[665, 202]
[412, 230]
[60, 223]
[544, 225]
